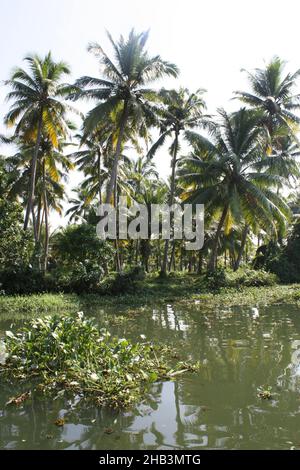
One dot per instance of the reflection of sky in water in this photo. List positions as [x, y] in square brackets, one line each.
[170, 320]
[161, 425]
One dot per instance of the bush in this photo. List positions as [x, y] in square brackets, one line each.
[24, 281]
[123, 283]
[246, 277]
[213, 281]
[282, 261]
[16, 247]
[78, 278]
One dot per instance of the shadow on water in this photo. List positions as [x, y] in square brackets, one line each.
[240, 350]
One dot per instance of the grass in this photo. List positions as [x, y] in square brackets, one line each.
[41, 303]
[179, 288]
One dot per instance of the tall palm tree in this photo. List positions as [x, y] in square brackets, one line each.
[91, 159]
[224, 173]
[51, 172]
[122, 90]
[55, 167]
[80, 205]
[151, 191]
[38, 108]
[273, 93]
[140, 170]
[182, 111]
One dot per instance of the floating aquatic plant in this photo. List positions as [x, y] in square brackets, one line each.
[70, 353]
[265, 393]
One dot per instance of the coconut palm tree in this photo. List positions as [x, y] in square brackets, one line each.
[182, 111]
[38, 109]
[273, 93]
[151, 191]
[51, 172]
[123, 90]
[140, 170]
[91, 159]
[224, 173]
[80, 205]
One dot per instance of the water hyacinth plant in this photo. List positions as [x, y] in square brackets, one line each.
[69, 353]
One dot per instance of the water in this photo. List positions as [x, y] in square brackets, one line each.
[217, 408]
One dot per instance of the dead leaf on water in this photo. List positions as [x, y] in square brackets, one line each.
[60, 422]
[19, 400]
[109, 431]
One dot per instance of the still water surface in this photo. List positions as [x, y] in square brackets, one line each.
[217, 408]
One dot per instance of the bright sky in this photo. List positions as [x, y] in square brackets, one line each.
[210, 41]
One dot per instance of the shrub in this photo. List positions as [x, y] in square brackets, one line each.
[123, 283]
[246, 277]
[213, 281]
[23, 281]
[283, 261]
[78, 277]
[16, 245]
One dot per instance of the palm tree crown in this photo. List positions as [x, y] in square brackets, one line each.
[38, 108]
[273, 93]
[123, 91]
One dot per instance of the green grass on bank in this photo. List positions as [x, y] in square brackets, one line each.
[183, 289]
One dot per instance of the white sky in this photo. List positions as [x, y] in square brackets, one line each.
[210, 41]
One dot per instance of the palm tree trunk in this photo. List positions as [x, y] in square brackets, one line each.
[38, 223]
[200, 262]
[171, 201]
[34, 222]
[46, 247]
[214, 254]
[118, 261]
[190, 263]
[99, 177]
[158, 256]
[46, 250]
[172, 260]
[33, 172]
[114, 171]
[242, 248]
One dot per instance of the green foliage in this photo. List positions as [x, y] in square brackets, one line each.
[70, 353]
[214, 281]
[15, 245]
[121, 283]
[36, 94]
[77, 277]
[79, 243]
[20, 306]
[272, 91]
[80, 258]
[246, 277]
[16, 249]
[23, 281]
[284, 261]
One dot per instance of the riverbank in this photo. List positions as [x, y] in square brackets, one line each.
[178, 289]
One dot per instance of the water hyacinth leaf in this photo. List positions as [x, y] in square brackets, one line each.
[10, 334]
[69, 352]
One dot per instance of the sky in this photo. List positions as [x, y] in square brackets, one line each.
[210, 41]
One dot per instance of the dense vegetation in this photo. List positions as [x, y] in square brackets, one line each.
[69, 353]
[243, 166]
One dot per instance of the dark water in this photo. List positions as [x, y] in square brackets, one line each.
[217, 408]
